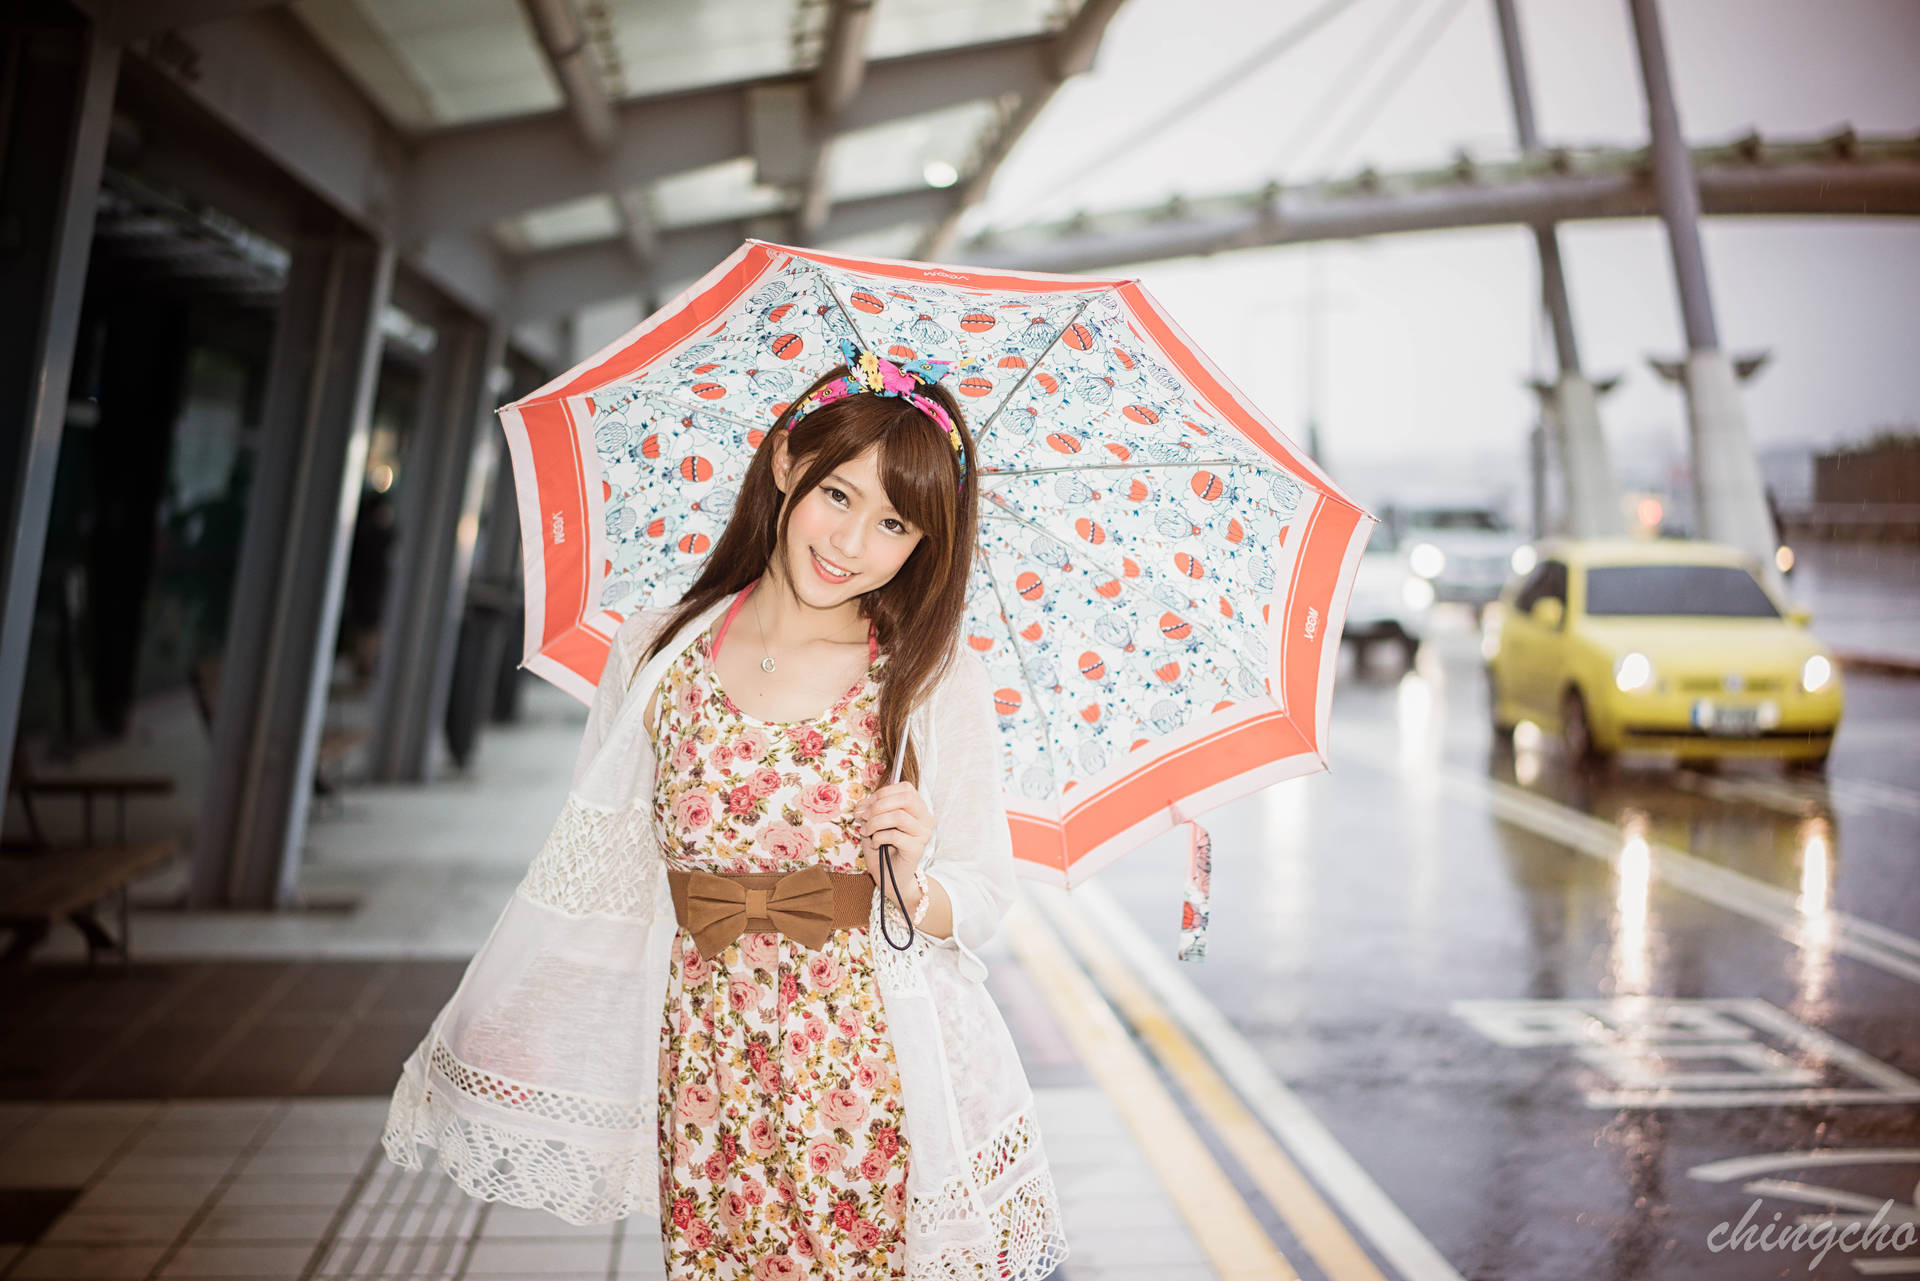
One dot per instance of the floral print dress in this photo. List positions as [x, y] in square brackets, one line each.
[782, 1151]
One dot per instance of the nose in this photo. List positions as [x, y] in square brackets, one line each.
[849, 540]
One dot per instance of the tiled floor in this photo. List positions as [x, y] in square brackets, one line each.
[214, 1110]
[215, 1029]
[299, 1189]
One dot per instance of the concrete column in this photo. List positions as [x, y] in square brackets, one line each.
[56, 102]
[278, 661]
[448, 466]
[1591, 493]
[1729, 497]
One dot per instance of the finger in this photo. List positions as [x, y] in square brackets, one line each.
[897, 821]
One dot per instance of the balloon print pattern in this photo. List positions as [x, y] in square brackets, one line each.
[1131, 536]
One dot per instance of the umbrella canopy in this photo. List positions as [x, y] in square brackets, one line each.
[1161, 576]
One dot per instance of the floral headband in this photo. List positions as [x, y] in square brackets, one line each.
[871, 373]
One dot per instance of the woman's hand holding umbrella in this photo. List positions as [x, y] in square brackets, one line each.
[897, 816]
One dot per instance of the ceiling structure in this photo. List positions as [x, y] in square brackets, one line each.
[608, 147]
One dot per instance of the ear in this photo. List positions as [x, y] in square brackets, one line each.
[782, 461]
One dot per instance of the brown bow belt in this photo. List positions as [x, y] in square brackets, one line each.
[806, 906]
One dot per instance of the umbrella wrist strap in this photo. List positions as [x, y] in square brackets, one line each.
[888, 874]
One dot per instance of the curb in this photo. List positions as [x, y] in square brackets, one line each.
[1855, 660]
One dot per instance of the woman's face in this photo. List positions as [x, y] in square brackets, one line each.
[846, 524]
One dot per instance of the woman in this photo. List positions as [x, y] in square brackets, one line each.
[806, 1099]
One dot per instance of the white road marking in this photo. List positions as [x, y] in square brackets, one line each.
[1371, 1211]
[1802, 798]
[1885, 949]
[1643, 1042]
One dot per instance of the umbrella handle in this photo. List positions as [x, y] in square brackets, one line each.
[886, 867]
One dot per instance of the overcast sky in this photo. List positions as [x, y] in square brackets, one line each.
[1430, 336]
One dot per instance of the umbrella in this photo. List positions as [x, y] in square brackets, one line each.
[1161, 576]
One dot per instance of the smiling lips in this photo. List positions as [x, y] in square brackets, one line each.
[827, 570]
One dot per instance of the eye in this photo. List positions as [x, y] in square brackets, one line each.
[838, 496]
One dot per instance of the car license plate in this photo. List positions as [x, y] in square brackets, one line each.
[1721, 718]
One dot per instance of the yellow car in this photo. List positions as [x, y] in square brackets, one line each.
[1661, 645]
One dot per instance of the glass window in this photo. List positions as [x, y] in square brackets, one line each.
[1456, 518]
[1703, 591]
[1549, 579]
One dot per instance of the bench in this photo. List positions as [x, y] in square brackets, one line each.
[70, 881]
[40, 880]
[335, 741]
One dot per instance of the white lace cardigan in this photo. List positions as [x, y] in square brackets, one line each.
[537, 1080]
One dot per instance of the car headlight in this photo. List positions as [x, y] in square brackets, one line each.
[1523, 559]
[1417, 593]
[1632, 671]
[1815, 673]
[1426, 560]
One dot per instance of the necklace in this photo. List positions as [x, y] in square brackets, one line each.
[766, 664]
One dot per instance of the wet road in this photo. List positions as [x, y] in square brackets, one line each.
[1564, 1025]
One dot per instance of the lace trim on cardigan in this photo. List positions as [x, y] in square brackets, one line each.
[894, 969]
[496, 1161]
[1027, 1240]
[593, 862]
[563, 1106]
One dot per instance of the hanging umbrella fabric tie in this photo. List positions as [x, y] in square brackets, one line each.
[870, 373]
[807, 906]
[1198, 895]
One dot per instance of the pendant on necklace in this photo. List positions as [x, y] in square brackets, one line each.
[766, 664]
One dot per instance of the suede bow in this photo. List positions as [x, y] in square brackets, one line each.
[799, 905]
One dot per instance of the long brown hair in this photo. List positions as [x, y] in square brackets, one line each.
[917, 614]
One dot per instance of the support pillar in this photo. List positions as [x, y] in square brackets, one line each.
[1729, 497]
[1591, 494]
[56, 103]
[449, 466]
[278, 661]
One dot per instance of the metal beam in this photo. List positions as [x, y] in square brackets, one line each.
[1729, 494]
[51, 158]
[843, 64]
[1590, 497]
[564, 42]
[1875, 177]
[1072, 53]
[565, 46]
[454, 180]
[440, 514]
[129, 20]
[265, 82]
[559, 281]
[278, 655]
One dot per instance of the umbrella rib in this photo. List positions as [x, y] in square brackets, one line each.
[1034, 364]
[1013, 638]
[1006, 513]
[1133, 466]
[735, 419]
[844, 313]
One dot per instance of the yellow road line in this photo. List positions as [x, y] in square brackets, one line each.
[1235, 1243]
[1290, 1192]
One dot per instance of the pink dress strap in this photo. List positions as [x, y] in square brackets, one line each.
[731, 611]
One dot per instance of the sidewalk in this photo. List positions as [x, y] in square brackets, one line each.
[1865, 599]
[215, 1112]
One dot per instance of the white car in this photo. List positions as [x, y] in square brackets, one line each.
[1466, 551]
[1389, 603]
